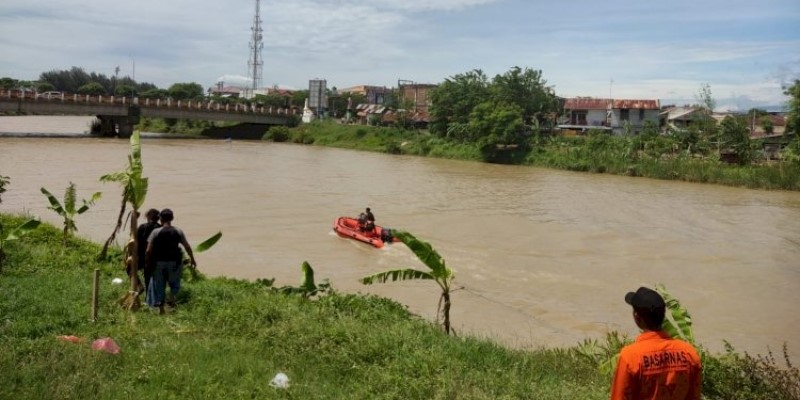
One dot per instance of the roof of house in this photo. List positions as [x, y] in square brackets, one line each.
[592, 103]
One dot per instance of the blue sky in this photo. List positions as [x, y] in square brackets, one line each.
[745, 51]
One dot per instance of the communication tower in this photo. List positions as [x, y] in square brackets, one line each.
[255, 63]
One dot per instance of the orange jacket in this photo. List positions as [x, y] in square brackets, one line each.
[657, 367]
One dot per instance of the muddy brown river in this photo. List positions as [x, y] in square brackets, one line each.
[544, 257]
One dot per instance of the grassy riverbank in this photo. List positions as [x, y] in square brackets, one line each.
[598, 154]
[228, 338]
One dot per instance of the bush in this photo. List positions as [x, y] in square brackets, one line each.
[736, 376]
[278, 133]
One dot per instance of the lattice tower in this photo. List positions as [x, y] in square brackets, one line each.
[255, 63]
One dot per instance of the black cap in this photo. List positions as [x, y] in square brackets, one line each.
[645, 298]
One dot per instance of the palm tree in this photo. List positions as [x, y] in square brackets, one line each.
[134, 191]
[439, 273]
[68, 210]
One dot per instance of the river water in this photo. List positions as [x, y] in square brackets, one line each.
[544, 257]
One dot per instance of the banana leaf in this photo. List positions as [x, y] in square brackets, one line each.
[396, 275]
[208, 243]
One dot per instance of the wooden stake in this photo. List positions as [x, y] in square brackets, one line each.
[95, 290]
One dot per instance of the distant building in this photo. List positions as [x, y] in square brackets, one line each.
[226, 91]
[373, 94]
[616, 115]
[418, 94]
[682, 117]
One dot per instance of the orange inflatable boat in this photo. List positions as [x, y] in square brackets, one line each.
[348, 227]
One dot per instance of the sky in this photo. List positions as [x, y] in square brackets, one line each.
[746, 51]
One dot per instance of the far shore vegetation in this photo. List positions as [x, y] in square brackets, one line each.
[228, 338]
[510, 118]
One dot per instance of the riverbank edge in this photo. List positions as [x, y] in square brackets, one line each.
[227, 337]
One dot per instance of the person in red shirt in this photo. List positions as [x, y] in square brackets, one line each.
[655, 366]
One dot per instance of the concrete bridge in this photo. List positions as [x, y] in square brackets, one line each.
[118, 115]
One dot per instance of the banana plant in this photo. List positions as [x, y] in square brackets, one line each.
[14, 234]
[308, 288]
[4, 180]
[68, 209]
[134, 191]
[439, 273]
[677, 323]
[203, 246]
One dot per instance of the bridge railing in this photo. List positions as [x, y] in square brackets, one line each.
[208, 106]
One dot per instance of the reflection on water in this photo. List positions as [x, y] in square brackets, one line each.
[544, 257]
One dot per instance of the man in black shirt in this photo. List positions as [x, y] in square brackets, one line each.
[164, 255]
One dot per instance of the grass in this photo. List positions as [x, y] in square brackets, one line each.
[617, 155]
[228, 338]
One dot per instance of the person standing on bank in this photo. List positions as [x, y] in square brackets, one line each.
[164, 255]
[655, 366]
[142, 233]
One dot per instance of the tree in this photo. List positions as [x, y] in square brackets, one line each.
[154, 94]
[126, 90]
[299, 98]
[92, 88]
[45, 87]
[705, 98]
[496, 124]
[735, 135]
[7, 83]
[134, 191]
[793, 120]
[185, 91]
[439, 273]
[68, 209]
[454, 100]
[526, 89]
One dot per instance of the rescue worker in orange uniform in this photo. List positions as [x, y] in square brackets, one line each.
[655, 366]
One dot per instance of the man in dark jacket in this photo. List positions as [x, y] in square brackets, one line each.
[164, 255]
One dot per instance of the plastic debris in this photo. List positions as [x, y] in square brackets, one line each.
[280, 381]
[116, 281]
[69, 338]
[106, 344]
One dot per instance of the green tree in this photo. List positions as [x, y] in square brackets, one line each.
[299, 98]
[154, 94]
[44, 87]
[526, 89]
[793, 119]
[124, 89]
[272, 100]
[92, 88]
[734, 134]
[68, 209]
[185, 91]
[7, 83]
[439, 273]
[497, 124]
[454, 99]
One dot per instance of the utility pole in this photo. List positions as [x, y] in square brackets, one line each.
[255, 63]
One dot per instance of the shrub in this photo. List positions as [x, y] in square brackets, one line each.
[277, 134]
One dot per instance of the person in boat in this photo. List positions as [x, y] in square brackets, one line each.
[369, 225]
